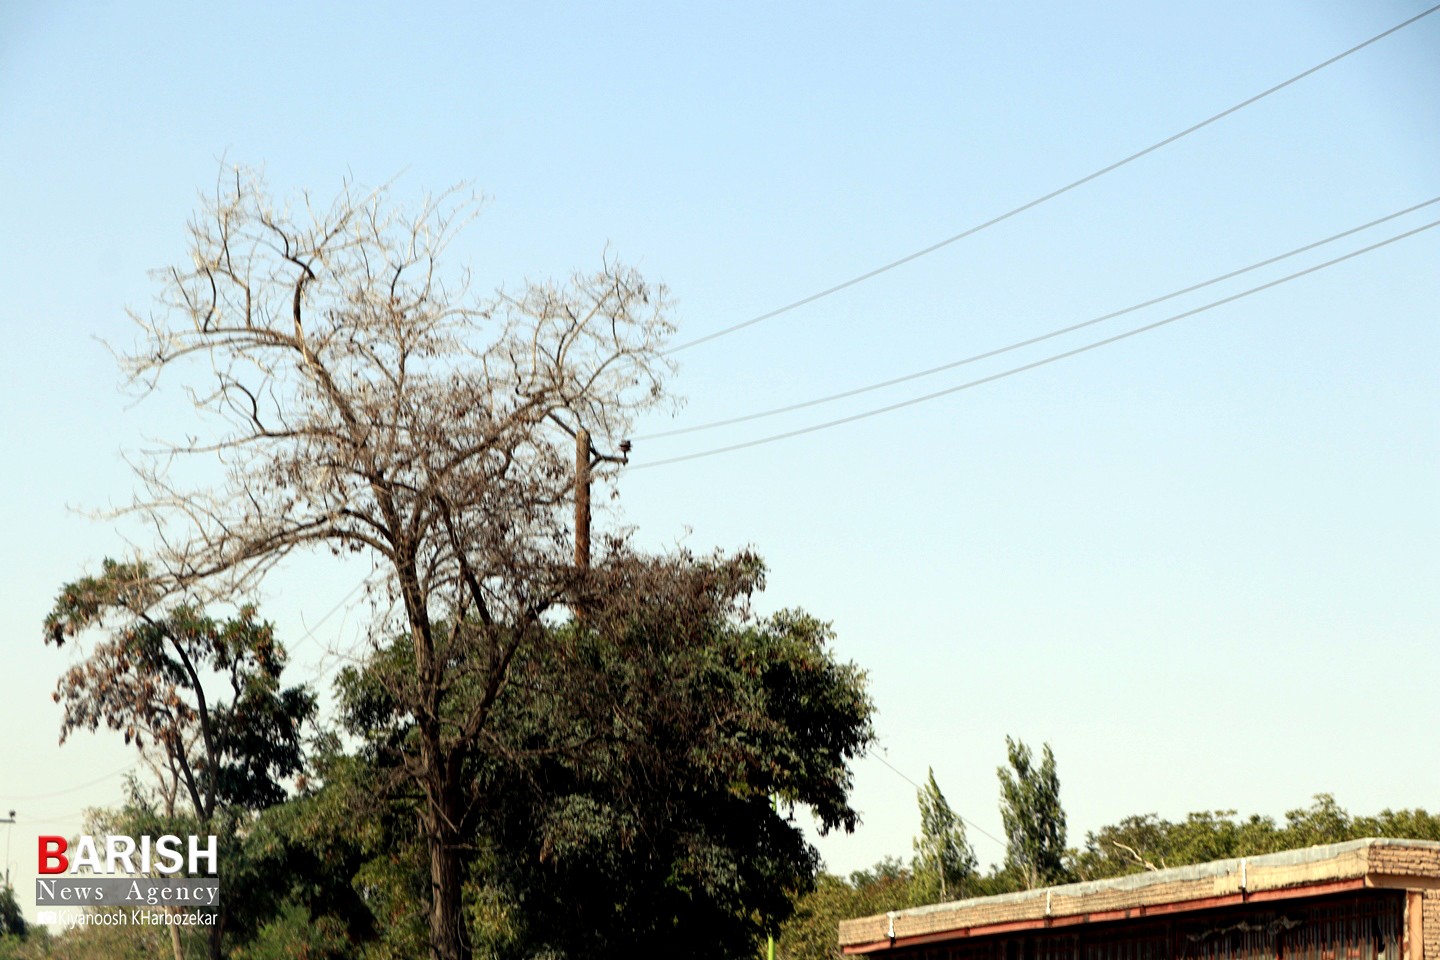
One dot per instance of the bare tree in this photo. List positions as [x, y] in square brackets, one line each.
[359, 399]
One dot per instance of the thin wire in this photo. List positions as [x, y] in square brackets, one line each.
[1042, 362]
[131, 766]
[309, 633]
[341, 660]
[76, 817]
[964, 819]
[59, 793]
[790, 408]
[724, 331]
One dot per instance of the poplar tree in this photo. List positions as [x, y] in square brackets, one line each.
[1034, 820]
[945, 862]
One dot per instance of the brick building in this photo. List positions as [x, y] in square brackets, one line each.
[1363, 900]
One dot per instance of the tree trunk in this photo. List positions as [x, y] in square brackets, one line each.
[215, 935]
[175, 934]
[440, 818]
[449, 940]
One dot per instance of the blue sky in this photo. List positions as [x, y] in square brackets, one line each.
[1201, 563]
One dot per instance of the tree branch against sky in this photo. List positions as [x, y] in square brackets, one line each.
[359, 398]
[1254, 485]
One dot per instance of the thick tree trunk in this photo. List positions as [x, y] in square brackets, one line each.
[440, 818]
[449, 940]
[216, 937]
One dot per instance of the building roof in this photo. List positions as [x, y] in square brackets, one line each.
[1333, 868]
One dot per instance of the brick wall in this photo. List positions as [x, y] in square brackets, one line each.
[1430, 915]
[1397, 861]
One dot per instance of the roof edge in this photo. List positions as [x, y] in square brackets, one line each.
[1289, 868]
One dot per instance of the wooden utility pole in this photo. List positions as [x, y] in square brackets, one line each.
[586, 457]
[582, 499]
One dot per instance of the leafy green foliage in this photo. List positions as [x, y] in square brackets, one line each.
[203, 694]
[12, 921]
[1144, 842]
[624, 802]
[945, 863]
[92, 942]
[37, 945]
[691, 729]
[810, 933]
[152, 678]
[299, 860]
[295, 933]
[1034, 820]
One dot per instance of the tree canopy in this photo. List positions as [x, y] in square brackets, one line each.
[627, 803]
[945, 863]
[620, 746]
[355, 396]
[1149, 842]
[1034, 820]
[152, 677]
[199, 697]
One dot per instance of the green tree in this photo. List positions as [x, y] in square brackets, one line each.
[1325, 821]
[149, 676]
[12, 921]
[1034, 820]
[1417, 824]
[203, 695]
[335, 871]
[1148, 842]
[810, 932]
[642, 744]
[945, 862]
[359, 398]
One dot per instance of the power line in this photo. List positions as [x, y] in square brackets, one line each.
[790, 408]
[76, 817]
[341, 660]
[971, 231]
[963, 819]
[60, 793]
[309, 633]
[1042, 362]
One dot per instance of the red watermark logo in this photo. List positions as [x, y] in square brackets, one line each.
[129, 855]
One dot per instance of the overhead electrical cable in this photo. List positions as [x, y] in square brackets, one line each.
[855, 391]
[322, 671]
[341, 660]
[971, 231]
[1042, 362]
[78, 816]
[78, 787]
[310, 633]
[971, 823]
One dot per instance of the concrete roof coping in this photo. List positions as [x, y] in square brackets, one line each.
[1352, 860]
[1196, 871]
